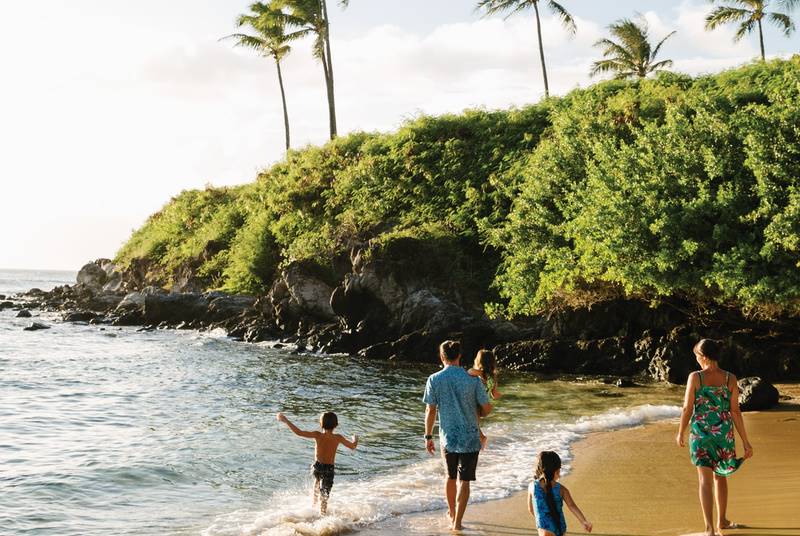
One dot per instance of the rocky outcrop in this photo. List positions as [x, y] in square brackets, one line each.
[756, 394]
[78, 316]
[384, 309]
[35, 326]
[92, 275]
[668, 356]
[298, 294]
[24, 313]
[612, 355]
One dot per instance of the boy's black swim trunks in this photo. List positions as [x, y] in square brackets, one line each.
[324, 473]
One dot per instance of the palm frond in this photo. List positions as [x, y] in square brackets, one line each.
[657, 48]
[726, 14]
[606, 66]
[744, 28]
[659, 66]
[783, 22]
[566, 19]
[247, 41]
[613, 49]
[509, 7]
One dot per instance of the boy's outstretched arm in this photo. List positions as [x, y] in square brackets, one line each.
[352, 444]
[574, 509]
[297, 431]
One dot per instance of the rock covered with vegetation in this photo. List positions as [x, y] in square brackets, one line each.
[675, 199]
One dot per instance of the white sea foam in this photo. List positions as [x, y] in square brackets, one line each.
[505, 467]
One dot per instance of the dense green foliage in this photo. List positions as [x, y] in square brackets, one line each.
[672, 187]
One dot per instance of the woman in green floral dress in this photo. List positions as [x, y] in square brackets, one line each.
[712, 406]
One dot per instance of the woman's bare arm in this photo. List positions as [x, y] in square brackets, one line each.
[688, 408]
[738, 421]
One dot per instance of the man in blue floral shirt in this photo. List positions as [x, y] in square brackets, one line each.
[457, 397]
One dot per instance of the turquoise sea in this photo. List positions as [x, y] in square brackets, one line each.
[107, 430]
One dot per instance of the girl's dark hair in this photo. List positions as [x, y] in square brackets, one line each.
[450, 350]
[328, 420]
[486, 363]
[549, 463]
[709, 348]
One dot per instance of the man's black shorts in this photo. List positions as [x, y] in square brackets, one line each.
[461, 464]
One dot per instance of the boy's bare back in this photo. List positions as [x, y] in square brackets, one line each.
[326, 445]
[326, 442]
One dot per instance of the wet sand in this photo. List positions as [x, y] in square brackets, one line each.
[638, 482]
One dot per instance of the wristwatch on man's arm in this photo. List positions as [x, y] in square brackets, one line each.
[428, 437]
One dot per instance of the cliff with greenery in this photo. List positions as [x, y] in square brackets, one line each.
[674, 188]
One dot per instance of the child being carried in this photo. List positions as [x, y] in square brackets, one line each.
[485, 368]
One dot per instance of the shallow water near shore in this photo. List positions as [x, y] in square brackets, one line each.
[109, 430]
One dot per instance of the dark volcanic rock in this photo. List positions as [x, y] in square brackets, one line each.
[756, 394]
[612, 355]
[670, 357]
[35, 326]
[174, 308]
[129, 318]
[6, 305]
[79, 316]
[24, 313]
[92, 274]
[225, 306]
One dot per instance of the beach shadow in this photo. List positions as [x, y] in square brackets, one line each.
[504, 530]
[493, 528]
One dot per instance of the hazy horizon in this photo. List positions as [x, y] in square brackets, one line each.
[138, 102]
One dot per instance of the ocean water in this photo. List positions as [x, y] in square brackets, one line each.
[107, 430]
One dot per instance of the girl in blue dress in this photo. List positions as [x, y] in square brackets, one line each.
[546, 498]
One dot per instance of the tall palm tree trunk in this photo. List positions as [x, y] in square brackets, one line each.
[541, 48]
[329, 76]
[283, 98]
[761, 40]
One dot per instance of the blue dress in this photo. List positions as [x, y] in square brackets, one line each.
[544, 520]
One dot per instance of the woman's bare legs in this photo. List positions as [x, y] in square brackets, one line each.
[721, 491]
[706, 491]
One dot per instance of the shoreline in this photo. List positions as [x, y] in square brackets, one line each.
[610, 469]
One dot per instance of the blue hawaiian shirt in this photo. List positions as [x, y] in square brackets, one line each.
[457, 396]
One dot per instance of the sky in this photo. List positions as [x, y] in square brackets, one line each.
[108, 108]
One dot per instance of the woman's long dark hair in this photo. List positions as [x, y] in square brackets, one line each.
[549, 463]
[708, 348]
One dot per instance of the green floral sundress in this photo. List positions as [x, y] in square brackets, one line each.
[711, 439]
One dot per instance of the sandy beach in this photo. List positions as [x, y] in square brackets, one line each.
[637, 482]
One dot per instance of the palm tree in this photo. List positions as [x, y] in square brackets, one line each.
[311, 18]
[511, 7]
[749, 15]
[270, 40]
[631, 55]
